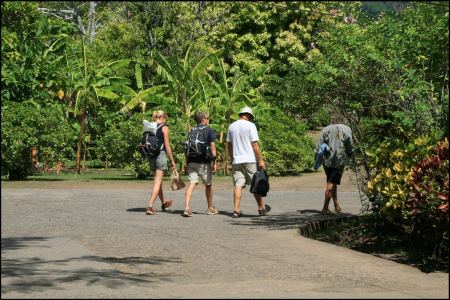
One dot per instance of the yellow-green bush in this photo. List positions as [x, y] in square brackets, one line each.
[410, 185]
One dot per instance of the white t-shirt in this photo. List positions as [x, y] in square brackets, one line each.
[242, 133]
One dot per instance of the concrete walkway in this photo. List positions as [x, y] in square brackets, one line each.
[98, 243]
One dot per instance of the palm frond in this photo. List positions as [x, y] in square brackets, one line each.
[115, 65]
[106, 93]
[138, 75]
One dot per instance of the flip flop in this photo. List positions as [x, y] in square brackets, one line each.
[327, 213]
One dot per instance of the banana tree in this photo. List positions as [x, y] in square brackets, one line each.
[187, 88]
[231, 94]
[86, 85]
[131, 98]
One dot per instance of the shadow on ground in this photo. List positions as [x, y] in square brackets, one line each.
[288, 220]
[28, 275]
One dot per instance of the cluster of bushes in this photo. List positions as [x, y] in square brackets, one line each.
[27, 125]
[410, 186]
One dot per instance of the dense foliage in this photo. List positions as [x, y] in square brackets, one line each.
[78, 78]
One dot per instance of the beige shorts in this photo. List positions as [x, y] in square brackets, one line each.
[196, 170]
[243, 173]
[160, 162]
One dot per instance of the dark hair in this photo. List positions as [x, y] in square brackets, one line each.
[200, 116]
[337, 119]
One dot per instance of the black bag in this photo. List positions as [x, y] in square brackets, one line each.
[260, 183]
[149, 145]
[197, 145]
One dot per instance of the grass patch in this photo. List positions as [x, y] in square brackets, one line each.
[99, 174]
[86, 175]
[367, 234]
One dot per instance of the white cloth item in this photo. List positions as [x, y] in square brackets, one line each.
[150, 126]
[241, 134]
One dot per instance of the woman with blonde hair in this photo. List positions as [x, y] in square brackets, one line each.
[159, 164]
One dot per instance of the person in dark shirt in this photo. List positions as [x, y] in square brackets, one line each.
[202, 167]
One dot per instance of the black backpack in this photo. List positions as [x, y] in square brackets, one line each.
[197, 145]
[149, 144]
[260, 183]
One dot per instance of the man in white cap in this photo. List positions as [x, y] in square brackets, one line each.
[243, 148]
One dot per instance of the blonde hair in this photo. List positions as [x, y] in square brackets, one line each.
[158, 114]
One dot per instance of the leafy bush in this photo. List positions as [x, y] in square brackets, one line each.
[428, 204]
[117, 144]
[410, 186]
[286, 148]
[25, 126]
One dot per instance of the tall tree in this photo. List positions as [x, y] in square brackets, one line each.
[87, 85]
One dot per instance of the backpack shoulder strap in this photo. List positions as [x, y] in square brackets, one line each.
[157, 128]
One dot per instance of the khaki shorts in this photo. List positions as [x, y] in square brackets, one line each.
[202, 170]
[243, 173]
[160, 162]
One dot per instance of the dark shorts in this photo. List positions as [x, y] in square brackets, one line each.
[334, 175]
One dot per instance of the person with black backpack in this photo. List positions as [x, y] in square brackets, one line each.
[200, 150]
[158, 163]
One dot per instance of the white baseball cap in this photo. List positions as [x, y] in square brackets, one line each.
[246, 110]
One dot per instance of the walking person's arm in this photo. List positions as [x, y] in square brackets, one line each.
[214, 154]
[165, 131]
[258, 156]
[230, 151]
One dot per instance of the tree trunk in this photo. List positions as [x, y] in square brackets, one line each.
[59, 167]
[83, 166]
[92, 25]
[83, 126]
[34, 156]
[79, 144]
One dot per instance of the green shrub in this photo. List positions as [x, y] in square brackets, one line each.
[410, 186]
[286, 148]
[428, 204]
[26, 125]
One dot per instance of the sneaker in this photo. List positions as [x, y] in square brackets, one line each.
[166, 205]
[150, 211]
[265, 210]
[212, 211]
[237, 214]
[187, 213]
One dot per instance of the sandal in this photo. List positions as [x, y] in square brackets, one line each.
[166, 205]
[150, 211]
[237, 214]
[265, 210]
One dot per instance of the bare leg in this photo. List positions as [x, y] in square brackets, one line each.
[157, 188]
[209, 196]
[259, 200]
[161, 194]
[188, 194]
[237, 198]
[337, 207]
[328, 195]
